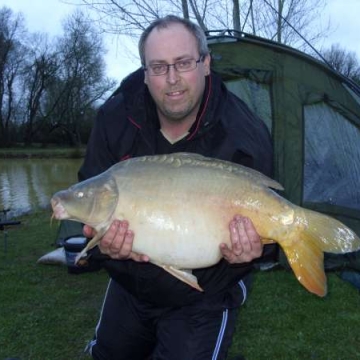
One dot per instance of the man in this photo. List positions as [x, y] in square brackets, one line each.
[173, 103]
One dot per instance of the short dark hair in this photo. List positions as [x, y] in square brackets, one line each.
[164, 22]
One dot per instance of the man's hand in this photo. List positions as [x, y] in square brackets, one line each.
[117, 241]
[245, 242]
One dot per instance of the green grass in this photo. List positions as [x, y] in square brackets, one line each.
[282, 321]
[48, 314]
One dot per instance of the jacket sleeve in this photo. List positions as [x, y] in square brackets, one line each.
[98, 156]
[106, 139]
[250, 136]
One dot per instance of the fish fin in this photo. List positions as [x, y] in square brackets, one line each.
[330, 234]
[312, 235]
[92, 243]
[307, 261]
[267, 241]
[184, 275]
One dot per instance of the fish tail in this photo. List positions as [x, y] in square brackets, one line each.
[331, 235]
[307, 262]
[315, 234]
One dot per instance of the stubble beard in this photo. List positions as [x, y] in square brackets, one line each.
[189, 110]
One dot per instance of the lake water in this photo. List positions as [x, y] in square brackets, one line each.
[28, 184]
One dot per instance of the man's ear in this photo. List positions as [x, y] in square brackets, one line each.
[207, 61]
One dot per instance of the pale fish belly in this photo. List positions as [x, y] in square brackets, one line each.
[181, 225]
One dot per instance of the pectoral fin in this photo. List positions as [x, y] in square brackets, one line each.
[184, 275]
[92, 243]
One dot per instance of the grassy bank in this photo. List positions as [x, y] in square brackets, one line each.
[40, 152]
[48, 314]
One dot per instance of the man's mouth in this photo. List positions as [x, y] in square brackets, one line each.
[175, 93]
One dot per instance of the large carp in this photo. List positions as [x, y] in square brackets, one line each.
[179, 207]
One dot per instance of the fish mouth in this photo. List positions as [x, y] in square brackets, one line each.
[59, 212]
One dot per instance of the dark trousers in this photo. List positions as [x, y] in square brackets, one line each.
[133, 330]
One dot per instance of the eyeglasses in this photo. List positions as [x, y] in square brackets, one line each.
[180, 66]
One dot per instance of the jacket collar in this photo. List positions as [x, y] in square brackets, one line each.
[141, 108]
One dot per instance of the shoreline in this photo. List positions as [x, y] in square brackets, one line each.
[36, 153]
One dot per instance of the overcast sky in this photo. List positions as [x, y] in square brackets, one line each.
[46, 16]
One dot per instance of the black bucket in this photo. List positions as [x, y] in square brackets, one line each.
[73, 246]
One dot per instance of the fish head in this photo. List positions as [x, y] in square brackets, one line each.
[92, 201]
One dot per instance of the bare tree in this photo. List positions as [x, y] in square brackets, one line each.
[346, 62]
[236, 15]
[121, 17]
[185, 9]
[291, 22]
[80, 81]
[11, 58]
[46, 85]
[38, 75]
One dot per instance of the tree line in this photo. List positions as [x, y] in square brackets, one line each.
[49, 88]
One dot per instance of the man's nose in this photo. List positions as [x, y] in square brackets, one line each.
[172, 76]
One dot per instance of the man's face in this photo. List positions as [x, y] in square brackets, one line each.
[177, 95]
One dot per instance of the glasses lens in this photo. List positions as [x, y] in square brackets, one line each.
[158, 69]
[185, 65]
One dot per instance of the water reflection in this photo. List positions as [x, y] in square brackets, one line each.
[28, 184]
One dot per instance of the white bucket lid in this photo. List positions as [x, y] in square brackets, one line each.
[76, 240]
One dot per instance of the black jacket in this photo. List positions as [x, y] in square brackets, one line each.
[225, 128]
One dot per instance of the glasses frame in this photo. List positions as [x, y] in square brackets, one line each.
[146, 68]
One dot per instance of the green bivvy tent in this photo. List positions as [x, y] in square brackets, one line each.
[313, 113]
